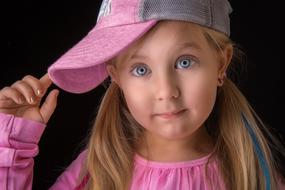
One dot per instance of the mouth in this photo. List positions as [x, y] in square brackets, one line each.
[171, 115]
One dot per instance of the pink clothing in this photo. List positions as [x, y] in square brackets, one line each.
[175, 176]
[18, 147]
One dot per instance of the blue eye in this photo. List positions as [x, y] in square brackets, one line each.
[140, 70]
[184, 63]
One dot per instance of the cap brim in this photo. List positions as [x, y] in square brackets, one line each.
[82, 68]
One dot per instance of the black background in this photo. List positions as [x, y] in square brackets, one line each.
[35, 34]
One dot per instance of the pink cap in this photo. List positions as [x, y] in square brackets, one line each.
[120, 23]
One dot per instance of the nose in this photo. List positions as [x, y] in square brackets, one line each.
[166, 87]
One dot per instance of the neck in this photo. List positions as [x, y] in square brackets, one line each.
[197, 145]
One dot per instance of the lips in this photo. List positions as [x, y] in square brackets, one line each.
[171, 115]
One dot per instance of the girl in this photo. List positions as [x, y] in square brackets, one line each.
[170, 119]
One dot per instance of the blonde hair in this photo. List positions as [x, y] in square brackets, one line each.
[115, 133]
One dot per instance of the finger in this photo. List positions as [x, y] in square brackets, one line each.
[49, 105]
[8, 93]
[45, 81]
[35, 84]
[26, 90]
[7, 104]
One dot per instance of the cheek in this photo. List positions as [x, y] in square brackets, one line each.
[201, 96]
[138, 102]
[134, 98]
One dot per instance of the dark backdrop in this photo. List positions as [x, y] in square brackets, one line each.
[37, 33]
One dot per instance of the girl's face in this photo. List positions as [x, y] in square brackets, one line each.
[170, 81]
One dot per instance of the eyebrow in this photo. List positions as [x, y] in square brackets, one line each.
[179, 47]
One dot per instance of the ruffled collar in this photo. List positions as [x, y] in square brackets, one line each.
[181, 164]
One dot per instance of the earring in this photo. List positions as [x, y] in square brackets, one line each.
[221, 79]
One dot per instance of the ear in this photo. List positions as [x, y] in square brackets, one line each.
[225, 60]
[112, 71]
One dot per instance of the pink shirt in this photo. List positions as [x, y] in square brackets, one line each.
[188, 175]
[19, 145]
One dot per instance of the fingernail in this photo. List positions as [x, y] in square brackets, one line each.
[31, 100]
[57, 93]
[39, 92]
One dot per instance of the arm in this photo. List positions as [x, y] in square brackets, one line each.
[22, 119]
[18, 147]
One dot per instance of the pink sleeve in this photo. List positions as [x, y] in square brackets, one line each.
[18, 147]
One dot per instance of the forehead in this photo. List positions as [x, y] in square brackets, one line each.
[174, 34]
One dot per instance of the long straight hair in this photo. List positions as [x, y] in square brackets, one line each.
[114, 135]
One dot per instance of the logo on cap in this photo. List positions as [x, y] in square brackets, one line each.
[105, 9]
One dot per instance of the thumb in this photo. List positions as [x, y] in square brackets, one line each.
[46, 81]
[49, 105]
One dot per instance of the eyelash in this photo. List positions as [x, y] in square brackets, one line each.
[136, 66]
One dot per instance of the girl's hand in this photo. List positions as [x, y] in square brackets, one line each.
[23, 99]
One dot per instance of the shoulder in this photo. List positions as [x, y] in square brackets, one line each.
[281, 183]
[76, 164]
[69, 178]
